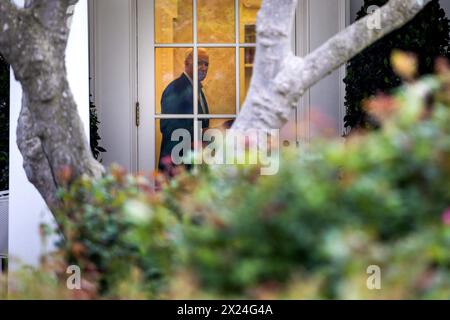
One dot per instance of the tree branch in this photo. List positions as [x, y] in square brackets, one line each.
[270, 102]
[50, 133]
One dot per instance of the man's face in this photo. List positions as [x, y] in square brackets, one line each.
[203, 65]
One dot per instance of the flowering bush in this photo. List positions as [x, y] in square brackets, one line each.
[115, 227]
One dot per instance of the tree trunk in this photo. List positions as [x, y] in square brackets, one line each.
[50, 133]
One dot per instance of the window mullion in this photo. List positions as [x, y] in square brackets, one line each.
[237, 61]
[200, 116]
[195, 80]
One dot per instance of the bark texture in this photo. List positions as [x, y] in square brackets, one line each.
[50, 133]
[280, 78]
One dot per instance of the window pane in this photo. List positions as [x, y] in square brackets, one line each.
[173, 89]
[173, 21]
[247, 56]
[216, 21]
[209, 138]
[219, 86]
[248, 10]
[164, 146]
[222, 124]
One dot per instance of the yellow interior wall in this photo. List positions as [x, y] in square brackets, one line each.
[183, 22]
[173, 21]
[169, 65]
[220, 84]
[216, 21]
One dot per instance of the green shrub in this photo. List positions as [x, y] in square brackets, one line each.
[388, 186]
[112, 228]
[310, 231]
[370, 72]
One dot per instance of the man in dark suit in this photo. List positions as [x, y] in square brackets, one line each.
[177, 99]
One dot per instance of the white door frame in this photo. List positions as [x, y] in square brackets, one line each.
[113, 85]
[146, 75]
[145, 85]
[303, 45]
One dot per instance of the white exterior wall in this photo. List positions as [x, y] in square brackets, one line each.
[26, 206]
[326, 98]
[113, 66]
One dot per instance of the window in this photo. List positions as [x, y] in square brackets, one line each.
[218, 38]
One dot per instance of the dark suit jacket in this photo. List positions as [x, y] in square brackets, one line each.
[177, 98]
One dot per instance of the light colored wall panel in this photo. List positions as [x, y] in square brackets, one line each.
[325, 96]
[112, 42]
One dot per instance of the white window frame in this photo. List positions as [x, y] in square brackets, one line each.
[146, 75]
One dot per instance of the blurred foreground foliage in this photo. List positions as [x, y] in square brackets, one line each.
[311, 231]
